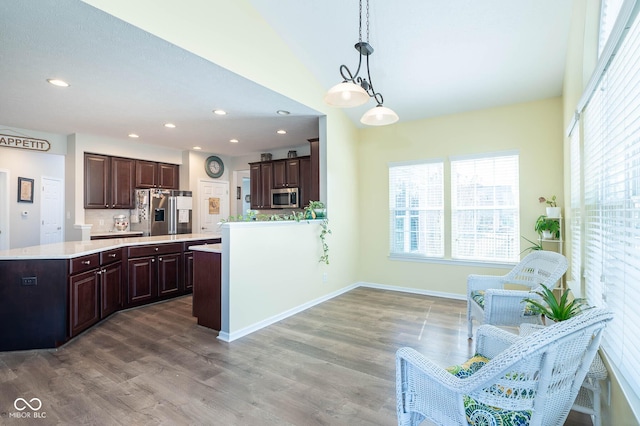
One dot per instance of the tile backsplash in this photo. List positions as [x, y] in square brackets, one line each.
[102, 219]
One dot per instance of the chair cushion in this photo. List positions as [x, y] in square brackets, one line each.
[481, 414]
[478, 297]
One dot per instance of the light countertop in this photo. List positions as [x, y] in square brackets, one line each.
[70, 249]
[209, 248]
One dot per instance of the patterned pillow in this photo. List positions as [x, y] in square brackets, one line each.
[481, 414]
[478, 296]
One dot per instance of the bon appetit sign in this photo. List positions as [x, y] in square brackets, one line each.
[24, 143]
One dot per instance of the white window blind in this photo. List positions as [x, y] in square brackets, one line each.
[609, 13]
[575, 273]
[611, 169]
[485, 213]
[416, 209]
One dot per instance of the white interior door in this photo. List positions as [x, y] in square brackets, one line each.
[51, 211]
[213, 205]
[4, 209]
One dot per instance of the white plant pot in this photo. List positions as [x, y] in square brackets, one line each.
[547, 235]
[554, 212]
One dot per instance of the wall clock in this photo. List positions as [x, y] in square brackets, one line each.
[214, 166]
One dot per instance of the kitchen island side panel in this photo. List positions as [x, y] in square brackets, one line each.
[33, 316]
[207, 288]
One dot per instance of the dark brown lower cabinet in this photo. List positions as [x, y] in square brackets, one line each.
[207, 297]
[84, 293]
[142, 280]
[188, 271]
[111, 289]
[169, 274]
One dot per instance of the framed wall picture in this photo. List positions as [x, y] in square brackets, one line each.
[25, 190]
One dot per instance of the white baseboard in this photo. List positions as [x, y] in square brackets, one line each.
[413, 290]
[230, 337]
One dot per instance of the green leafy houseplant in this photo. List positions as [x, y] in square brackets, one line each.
[543, 223]
[556, 309]
[315, 210]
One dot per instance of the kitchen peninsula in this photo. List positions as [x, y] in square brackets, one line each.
[53, 292]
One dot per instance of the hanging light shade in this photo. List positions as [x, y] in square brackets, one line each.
[355, 90]
[379, 116]
[346, 95]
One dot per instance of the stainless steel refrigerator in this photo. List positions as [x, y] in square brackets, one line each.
[162, 212]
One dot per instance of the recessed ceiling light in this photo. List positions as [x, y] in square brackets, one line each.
[197, 148]
[133, 135]
[283, 112]
[281, 132]
[58, 82]
[233, 140]
[170, 125]
[219, 112]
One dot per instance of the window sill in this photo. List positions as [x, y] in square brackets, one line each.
[443, 261]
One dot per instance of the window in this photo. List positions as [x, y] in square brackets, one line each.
[484, 203]
[416, 205]
[485, 213]
[610, 202]
[608, 15]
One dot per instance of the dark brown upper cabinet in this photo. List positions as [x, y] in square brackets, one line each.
[108, 182]
[150, 174]
[286, 173]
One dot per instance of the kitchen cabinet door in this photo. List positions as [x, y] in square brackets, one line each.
[305, 181]
[188, 271]
[110, 289]
[168, 176]
[266, 182]
[261, 180]
[84, 310]
[169, 274]
[146, 174]
[286, 173]
[97, 188]
[122, 182]
[143, 280]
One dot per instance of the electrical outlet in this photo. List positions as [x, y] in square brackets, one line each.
[325, 277]
[29, 280]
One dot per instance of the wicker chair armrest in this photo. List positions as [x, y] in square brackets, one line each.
[490, 340]
[424, 387]
[477, 282]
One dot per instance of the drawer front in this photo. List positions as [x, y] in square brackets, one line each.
[150, 250]
[110, 256]
[188, 244]
[84, 263]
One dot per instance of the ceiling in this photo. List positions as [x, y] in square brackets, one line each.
[431, 58]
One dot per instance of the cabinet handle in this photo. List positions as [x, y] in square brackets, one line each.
[112, 255]
[86, 262]
[156, 248]
[160, 259]
[106, 206]
[99, 272]
[104, 270]
[153, 260]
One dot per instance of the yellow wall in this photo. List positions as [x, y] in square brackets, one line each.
[533, 129]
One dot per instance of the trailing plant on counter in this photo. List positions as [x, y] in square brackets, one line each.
[314, 210]
[551, 202]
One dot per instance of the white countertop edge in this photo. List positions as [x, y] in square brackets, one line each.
[209, 248]
[256, 223]
[71, 249]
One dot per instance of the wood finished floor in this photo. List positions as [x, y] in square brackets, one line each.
[332, 364]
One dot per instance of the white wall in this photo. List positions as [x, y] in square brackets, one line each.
[25, 230]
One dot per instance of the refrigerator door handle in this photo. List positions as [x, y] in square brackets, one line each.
[173, 216]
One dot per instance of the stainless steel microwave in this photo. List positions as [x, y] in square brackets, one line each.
[284, 198]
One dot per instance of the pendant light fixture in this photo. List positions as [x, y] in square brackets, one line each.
[355, 90]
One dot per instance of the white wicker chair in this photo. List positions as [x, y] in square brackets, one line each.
[541, 373]
[503, 306]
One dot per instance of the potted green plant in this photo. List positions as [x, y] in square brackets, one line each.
[553, 211]
[556, 309]
[548, 227]
[315, 210]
